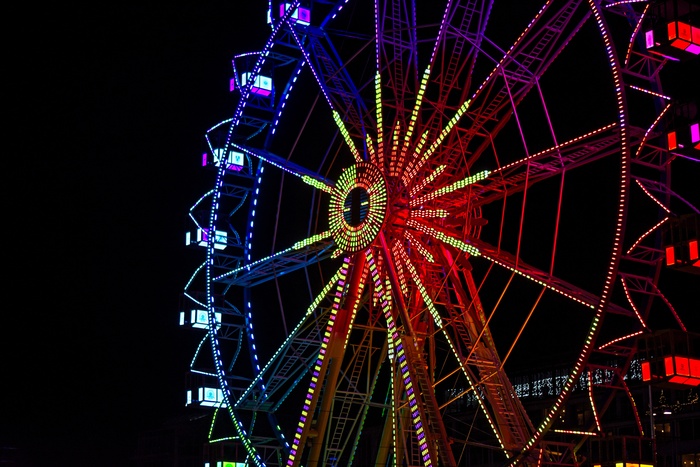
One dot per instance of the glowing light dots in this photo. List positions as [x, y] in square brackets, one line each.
[353, 236]
[346, 136]
[444, 238]
[450, 188]
[316, 183]
[318, 368]
[417, 162]
[398, 344]
[380, 120]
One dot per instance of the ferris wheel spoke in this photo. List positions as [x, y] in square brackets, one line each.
[470, 342]
[457, 47]
[333, 78]
[294, 357]
[509, 261]
[513, 77]
[516, 74]
[308, 176]
[396, 52]
[519, 175]
[303, 253]
[412, 388]
[492, 386]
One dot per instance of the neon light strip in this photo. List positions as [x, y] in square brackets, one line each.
[441, 31]
[634, 405]
[284, 100]
[317, 183]
[645, 234]
[346, 136]
[619, 339]
[540, 282]
[414, 117]
[624, 2]
[554, 148]
[297, 246]
[305, 418]
[194, 206]
[420, 247]
[668, 211]
[459, 244]
[403, 282]
[394, 148]
[590, 399]
[649, 130]
[339, 7]
[248, 246]
[189, 282]
[199, 372]
[194, 358]
[370, 148]
[403, 363]
[379, 112]
[458, 185]
[574, 432]
[633, 37]
[647, 91]
[631, 302]
[427, 180]
[428, 213]
[228, 120]
[312, 239]
[409, 174]
[670, 307]
[353, 312]
[251, 336]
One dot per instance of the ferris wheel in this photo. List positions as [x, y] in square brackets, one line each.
[413, 205]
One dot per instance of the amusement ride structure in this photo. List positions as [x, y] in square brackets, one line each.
[413, 203]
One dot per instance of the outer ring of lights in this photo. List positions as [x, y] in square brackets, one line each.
[356, 238]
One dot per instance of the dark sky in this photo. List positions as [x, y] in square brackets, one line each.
[109, 105]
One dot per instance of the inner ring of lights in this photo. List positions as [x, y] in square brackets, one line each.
[349, 236]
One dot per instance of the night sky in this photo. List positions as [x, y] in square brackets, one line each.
[109, 105]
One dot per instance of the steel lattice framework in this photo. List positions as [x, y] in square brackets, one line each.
[411, 202]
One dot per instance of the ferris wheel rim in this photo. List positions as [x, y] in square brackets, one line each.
[359, 252]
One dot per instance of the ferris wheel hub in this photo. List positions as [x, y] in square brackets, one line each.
[358, 206]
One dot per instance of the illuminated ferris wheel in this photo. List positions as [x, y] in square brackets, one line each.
[413, 204]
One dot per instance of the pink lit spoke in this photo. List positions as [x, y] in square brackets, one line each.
[652, 197]
[508, 261]
[620, 339]
[646, 234]
[632, 304]
[510, 179]
[516, 74]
